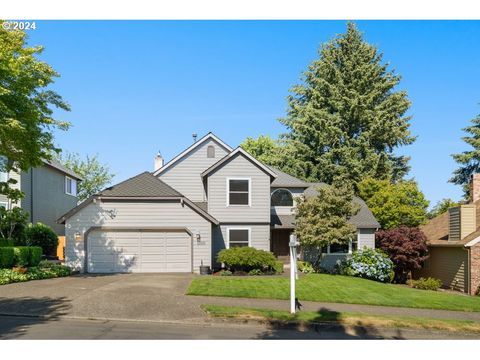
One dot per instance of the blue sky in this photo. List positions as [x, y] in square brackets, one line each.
[136, 87]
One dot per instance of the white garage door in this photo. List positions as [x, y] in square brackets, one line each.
[139, 251]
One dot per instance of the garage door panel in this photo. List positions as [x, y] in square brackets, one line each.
[139, 252]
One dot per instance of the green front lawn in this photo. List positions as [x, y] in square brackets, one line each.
[333, 289]
[344, 318]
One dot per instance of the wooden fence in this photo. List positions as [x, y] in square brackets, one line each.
[61, 248]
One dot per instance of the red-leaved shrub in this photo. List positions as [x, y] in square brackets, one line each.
[406, 247]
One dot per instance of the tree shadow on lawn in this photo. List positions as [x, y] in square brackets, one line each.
[18, 313]
[327, 326]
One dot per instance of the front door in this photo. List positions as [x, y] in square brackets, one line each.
[280, 241]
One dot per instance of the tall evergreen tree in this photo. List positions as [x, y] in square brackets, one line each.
[346, 119]
[469, 160]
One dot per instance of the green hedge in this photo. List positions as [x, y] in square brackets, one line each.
[42, 235]
[6, 242]
[246, 259]
[21, 256]
[35, 255]
[6, 257]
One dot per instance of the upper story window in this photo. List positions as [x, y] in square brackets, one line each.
[4, 204]
[282, 197]
[238, 191]
[70, 186]
[210, 151]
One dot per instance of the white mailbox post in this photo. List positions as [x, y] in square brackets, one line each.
[293, 271]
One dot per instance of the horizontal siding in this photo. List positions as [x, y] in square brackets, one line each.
[147, 214]
[366, 238]
[447, 264]
[185, 175]
[259, 209]
[259, 237]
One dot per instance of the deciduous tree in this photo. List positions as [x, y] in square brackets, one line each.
[323, 220]
[96, 176]
[406, 247]
[394, 204]
[26, 108]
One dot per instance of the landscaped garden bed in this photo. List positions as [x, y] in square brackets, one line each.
[45, 270]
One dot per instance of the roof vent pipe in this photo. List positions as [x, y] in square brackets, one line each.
[194, 136]
[158, 161]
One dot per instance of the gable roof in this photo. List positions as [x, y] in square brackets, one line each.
[436, 230]
[239, 152]
[285, 180]
[144, 186]
[364, 219]
[56, 165]
[196, 144]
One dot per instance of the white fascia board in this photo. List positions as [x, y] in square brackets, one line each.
[473, 242]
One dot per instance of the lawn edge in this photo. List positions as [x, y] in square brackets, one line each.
[351, 320]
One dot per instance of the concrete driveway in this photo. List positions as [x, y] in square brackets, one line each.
[157, 297]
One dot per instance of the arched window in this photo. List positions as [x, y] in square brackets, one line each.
[282, 197]
[210, 151]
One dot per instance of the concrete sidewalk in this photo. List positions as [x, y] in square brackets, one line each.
[336, 307]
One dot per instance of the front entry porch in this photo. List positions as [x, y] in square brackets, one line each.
[280, 239]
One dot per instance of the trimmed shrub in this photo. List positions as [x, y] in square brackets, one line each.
[246, 259]
[42, 235]
[370, 264]
[278, 269]
[226, 273]
[255, 272]
[6, 242]
[305, 267]
[21, 256]
[6, 257]
[35, 255]
[427, 284]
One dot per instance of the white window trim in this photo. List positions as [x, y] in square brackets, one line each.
[249, 191]
[350, 249]
[66, 188]
[239, 228]
[282, 207]
[5, 203]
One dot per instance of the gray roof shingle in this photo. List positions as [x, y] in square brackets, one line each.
[285, 180]
[142, 185]
[56, 165]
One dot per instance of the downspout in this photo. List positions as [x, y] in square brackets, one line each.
[469, 272]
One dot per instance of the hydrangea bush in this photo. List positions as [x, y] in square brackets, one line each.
[370, 264]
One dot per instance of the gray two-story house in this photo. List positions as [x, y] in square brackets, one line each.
[50, 191]
[207, 198]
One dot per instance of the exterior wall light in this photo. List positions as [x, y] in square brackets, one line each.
[78, 236]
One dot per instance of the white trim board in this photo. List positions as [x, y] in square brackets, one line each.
[473, 242]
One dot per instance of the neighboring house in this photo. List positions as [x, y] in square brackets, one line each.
[454, 245]
[207, 198]
[50, 191]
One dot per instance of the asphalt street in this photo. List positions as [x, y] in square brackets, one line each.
[16, 327]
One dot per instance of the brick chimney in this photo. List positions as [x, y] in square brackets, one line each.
[474, 187]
